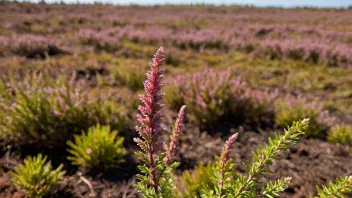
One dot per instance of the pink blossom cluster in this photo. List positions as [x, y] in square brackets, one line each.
[212, 95]
[176, 132]
[106, 40]
[150, 118]
[323, 117]
[307, 50]
[225, 157]
[149, 128]
[310, 35]
[56, 91]
[32, 46]
[272, 41]
[4, 43]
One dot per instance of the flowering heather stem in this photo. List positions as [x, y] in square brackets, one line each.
[150, 118]
[224, 158]
[265, 155]
[175, 134]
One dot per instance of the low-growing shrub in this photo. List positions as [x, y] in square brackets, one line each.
[4, 44]
[33, 46]
[191, 183]
[47, 112]
[291, 109]
[212, 96]
[99, 148]
[156, 180]
[308, 50]
[37, 177]
[100, 40]
[129, 75]
[341, 134]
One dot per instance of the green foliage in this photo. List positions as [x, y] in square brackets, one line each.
[99, 148]
[341, 134]
[130, 75]
[190, 185]
[166, 183]
[44, 111]
[221, 190]
[36, 177]
[174, 96]
[273, 188]
[338, 189]
[246, 186]
[295, 109]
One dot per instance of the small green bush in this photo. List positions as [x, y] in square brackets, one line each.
[99, 148]
[341, 134]
[190, 184]
[47, 112]
[129, 76]
[292, 109]
[36, 177]
[174, 95]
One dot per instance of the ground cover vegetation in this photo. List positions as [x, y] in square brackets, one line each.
[72, 94]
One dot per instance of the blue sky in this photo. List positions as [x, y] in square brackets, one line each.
[281, 3]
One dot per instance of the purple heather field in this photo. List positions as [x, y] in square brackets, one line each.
[71, 76]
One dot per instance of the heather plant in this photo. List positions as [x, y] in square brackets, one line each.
[99, 148]
[33, 46]
[191, 183]
[291, 109]
[37, 177]
[100, 40]
[129, 76]
[341, 134]
[44, 111]
[339, 188]
[155, 180]
[309, 50]
[212, 96]
[246, 186]
[4, 44]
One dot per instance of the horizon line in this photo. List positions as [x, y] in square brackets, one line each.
[222, 4]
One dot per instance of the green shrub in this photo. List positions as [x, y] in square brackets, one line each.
[341, 134]
[292, 109]
[190, 184]
[130, 76]
[99, 148]
[340, 188]
[36, 177]
[47, 112]
[174, 95]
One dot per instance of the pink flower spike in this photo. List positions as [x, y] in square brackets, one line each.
[224, 157]
[175, 134]
[150, 118]
[227, 147]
